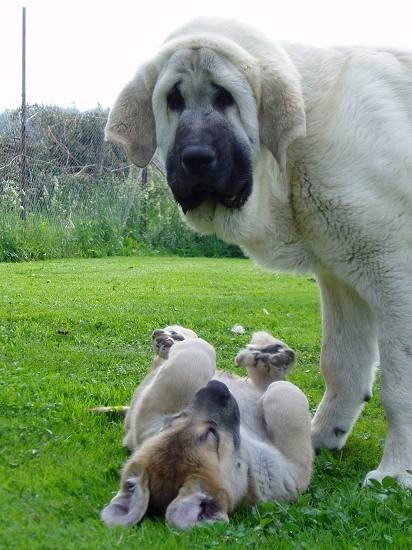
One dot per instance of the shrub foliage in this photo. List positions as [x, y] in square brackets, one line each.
[73, 194]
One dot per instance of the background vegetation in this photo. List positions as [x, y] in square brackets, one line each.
[75, 334]
[73, 194]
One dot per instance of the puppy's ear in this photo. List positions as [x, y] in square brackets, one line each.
[131, 121]
[131, 502]
[194, 505]
[282, 117]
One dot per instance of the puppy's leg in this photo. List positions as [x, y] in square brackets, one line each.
[395, 347]
[349, 351]
[129, 440]
[266, 359]
[163, 339]
[287, 419]
[190, 366]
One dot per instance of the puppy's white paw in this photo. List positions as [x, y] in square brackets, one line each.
[274, 360]
[163, 340]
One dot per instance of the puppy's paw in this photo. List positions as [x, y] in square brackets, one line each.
[163, 340]
[272, 361]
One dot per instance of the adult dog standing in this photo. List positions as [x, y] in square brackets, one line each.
[303, 157]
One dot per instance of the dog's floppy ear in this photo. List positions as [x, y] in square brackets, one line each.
[131, 122]
[282, 117]
[194, 505]
[131, 502]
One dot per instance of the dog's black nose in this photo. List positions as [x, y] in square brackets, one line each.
[198, 159]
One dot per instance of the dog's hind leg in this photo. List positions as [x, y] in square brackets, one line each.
[287, 419]
[190, 366]
[162, 341]
[266, 359]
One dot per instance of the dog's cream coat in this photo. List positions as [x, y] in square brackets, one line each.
[272, 462]
[332, 194]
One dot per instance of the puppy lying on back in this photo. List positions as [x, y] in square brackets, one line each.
[204, 440]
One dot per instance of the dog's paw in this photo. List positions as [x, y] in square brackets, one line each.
[272, 361]
[163, 340]
[403, 478]
[332, 439]
[334, 418]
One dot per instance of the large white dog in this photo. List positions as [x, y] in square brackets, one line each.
[303, 157]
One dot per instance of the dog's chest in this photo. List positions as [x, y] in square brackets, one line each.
[335, 228]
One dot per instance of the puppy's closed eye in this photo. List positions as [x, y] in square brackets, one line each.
[211, 435]
[130, 485]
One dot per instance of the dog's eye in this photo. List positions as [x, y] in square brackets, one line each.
[223, 98]
[175, 101]
[129, 485]
[211, 434]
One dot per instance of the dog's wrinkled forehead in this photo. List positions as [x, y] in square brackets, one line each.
[196, 71]
[193, 70]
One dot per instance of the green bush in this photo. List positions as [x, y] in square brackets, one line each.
[154, 219]
[95, 217]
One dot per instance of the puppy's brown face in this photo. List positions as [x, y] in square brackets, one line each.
[189, 450]
[181, 471]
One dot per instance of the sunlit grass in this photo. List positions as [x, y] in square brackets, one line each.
[75, 334]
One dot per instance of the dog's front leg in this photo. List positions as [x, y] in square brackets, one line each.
[395, 348]
[348, 354]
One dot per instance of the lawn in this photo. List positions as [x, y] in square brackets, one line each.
[75, 334]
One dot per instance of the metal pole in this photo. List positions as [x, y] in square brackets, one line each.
[24, 170]
[143, 177]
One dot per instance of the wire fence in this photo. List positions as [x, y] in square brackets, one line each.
[69, 192]
[65, 157]
[66, 191]
[65, 178]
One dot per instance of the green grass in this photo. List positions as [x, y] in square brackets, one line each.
[75, 334]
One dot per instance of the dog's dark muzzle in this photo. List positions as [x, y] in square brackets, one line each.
[214, 402]
[199, 161]
[208, 162]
